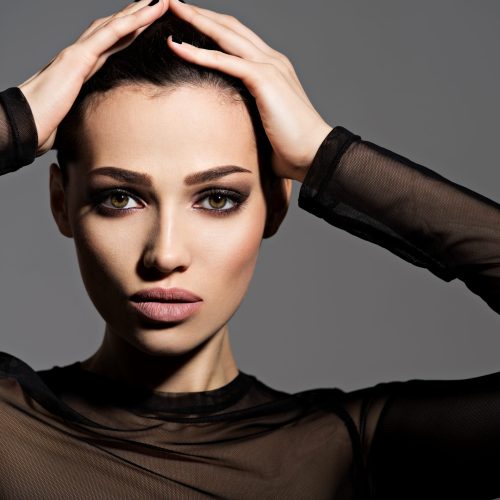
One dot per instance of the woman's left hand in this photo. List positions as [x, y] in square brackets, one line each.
[294, 127]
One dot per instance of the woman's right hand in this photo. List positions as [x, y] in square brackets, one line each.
[52, 90]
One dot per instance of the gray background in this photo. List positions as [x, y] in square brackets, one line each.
[324, 309]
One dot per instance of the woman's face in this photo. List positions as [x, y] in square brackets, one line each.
[163, 228]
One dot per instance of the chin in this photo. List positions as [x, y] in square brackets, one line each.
[167, 339]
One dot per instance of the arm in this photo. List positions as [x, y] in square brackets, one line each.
[18, 133]
[408, 209]
[441, 437]
[31, 112]
[419, 438]
[431, 439]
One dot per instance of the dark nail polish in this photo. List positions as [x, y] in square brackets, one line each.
[182, 1]
[176, 39]
[153, 2]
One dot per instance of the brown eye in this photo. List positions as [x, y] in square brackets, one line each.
[116, 200]
[121, 200]
[220, 201]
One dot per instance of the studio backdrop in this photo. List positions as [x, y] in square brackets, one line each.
[324, 308]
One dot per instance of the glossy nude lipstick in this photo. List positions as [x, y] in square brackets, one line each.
[166, 304]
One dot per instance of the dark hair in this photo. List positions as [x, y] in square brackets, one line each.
[147, 62]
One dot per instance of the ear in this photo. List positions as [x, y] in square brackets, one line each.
[58, 201]
[278, 201]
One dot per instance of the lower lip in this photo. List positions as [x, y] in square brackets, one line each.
[167, 311]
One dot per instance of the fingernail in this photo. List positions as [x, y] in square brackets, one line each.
[153, 2]
[182, 1]
[176, 39]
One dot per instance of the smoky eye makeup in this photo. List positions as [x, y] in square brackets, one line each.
[237, 200]
[120, 200]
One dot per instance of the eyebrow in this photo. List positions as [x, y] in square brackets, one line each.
[122, 174]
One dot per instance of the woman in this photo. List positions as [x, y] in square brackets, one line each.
[161, 409]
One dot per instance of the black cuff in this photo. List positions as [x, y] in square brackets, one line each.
[322, 168]
[24, 139]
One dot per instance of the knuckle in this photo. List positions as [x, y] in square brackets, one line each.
[216, 55]
[264, 71]
[97, 22]
[283, 58]
[286, 64]
[231, 19]
[74, 58]
[119, 20]
[68, 53]
[119, 25]
[270, 68]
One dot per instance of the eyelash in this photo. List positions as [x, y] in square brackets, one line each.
[237, 198]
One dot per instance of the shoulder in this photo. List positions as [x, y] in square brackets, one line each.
[15, 374]
[22, 389]
[26, 393]
[16, 405]
[14, 369]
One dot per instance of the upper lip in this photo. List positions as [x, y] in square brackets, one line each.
[165, 295]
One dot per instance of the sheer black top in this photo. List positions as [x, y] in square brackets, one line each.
[68, 433]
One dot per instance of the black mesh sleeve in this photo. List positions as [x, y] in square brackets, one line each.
[408, 209]
[18, 133]
[438, 439]
[432, 439]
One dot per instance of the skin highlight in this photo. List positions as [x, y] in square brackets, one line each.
[165, 234]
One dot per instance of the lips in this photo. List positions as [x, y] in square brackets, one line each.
[165, 295]
[165, 304]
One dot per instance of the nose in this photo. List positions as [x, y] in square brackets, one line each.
[167, 248]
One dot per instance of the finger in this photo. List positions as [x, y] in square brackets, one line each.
[130, 37]
[111, 32]
[133, 7]
[250, 72]
[244, 69]
[230, 22]
[215, 59]
[121, 44]
[101, 20]
[230, 41]
[130, 8]
[231, 35]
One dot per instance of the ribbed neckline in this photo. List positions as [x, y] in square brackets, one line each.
[108, 391]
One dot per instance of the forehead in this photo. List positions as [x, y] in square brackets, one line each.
[182, 131]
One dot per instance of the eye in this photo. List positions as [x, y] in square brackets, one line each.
[119, 200]
[217, 199]
[116, 201]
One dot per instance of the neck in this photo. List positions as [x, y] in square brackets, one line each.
[209, 366]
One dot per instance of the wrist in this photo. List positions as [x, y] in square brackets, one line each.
[316, 141]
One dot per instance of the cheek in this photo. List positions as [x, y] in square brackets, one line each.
[233, 251]
[227, 254]
[106, 254]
